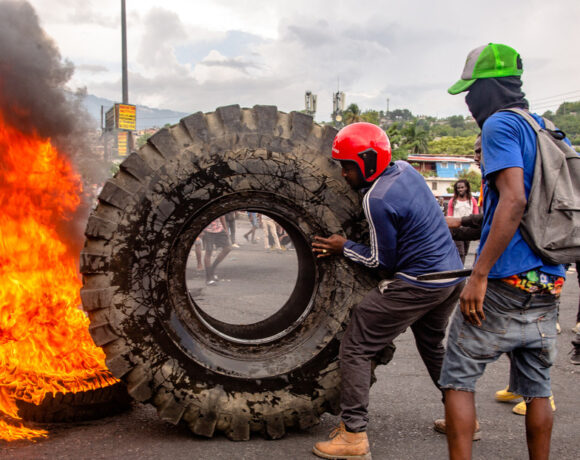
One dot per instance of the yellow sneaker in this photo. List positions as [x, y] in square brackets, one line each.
[344, 445]
[520, 408]
[441, 427]
[506, 396]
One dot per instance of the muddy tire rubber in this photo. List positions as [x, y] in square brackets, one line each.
[265, 377]
[77, 407]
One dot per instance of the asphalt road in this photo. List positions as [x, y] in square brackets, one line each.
[403, 405]
[253, 282]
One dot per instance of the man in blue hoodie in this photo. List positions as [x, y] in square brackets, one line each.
[408, 237]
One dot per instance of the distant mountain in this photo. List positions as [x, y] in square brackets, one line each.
[147, 117]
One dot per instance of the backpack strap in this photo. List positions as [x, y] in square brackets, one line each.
[550, 127]
[526, 116]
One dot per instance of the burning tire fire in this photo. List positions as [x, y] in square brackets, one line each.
[45, 346]
[265, 377]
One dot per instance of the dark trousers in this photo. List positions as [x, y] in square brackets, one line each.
[375, 323]
[231, 223]
[462, 248]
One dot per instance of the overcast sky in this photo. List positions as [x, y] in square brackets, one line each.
[199, 55]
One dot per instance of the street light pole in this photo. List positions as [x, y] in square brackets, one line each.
[124, 67]
[124, 53]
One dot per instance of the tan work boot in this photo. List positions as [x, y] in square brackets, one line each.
[440, 426]
[344, 445]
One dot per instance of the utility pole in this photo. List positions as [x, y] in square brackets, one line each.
[124, 53]
[104, 137]
[124, 68]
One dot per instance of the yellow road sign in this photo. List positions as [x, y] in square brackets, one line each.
[126, 116]
[122, 144]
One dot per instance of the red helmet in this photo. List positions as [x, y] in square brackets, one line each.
[365, 144]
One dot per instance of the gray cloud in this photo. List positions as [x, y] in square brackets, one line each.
[85, 12]
[313, 36]
[163, 29]
[232, 63]
[409, 54]
[92, 68]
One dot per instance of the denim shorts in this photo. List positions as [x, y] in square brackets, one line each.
[520, 324]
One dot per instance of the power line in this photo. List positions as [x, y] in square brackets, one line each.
[570, 93]
[553, 102]
[551, 105]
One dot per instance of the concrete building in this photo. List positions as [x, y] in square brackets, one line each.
[440, 172]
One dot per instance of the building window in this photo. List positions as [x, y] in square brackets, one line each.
[444, 165]
[433, 185]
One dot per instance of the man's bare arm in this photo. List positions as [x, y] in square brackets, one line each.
[506, 219]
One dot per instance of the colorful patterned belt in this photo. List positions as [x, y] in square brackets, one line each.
[536, 282]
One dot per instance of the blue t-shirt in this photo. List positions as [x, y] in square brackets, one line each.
[508, 141]
[408, 233]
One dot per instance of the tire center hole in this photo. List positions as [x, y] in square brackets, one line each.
[242, 268]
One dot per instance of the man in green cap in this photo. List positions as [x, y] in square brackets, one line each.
[509, 304]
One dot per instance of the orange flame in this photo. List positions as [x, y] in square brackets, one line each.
[45, 345]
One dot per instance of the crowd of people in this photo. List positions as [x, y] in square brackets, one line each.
[218, 239]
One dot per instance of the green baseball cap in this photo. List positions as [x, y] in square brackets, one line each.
[488, 61]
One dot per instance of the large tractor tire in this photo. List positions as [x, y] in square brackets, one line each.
[264, 377]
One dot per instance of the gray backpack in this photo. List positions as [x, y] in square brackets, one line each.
[551, 222]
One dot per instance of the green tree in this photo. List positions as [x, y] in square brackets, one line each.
[142, 140]
[456, 121]
[567, 108]
[396, 139]
[415, 138]
[352, 114]
[456, 126]
[451, 145]
[371, 116]
[400, 115]
[567, 119]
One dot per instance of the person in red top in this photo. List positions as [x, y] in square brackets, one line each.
[216, 236]
[462, 205]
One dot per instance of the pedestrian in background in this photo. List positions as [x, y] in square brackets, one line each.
[250, 235]
[231, 228]
[215, 236]
[462, 204]
[270, 232]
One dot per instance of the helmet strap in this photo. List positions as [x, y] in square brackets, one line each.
[369, 158]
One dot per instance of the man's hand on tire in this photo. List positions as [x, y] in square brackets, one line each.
[324, 247]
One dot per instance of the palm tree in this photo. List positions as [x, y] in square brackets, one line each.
[352, 114]
[415, 139]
